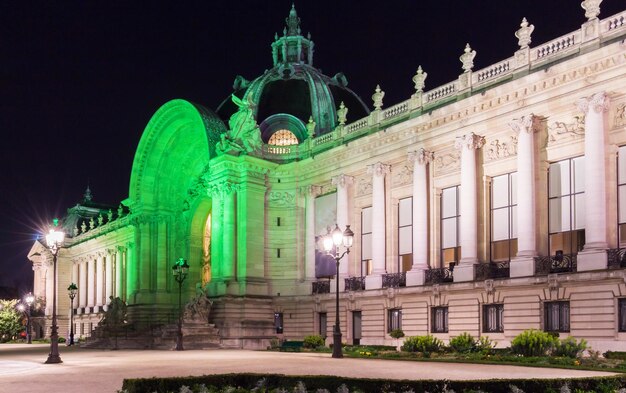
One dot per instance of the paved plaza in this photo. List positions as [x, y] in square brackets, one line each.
[22, 367]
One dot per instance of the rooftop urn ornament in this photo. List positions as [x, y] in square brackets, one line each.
[419, 79]
[523, 34]
[87, 197]
[310, 128]
[467, 58]
[342, 114]
[592, 8]
[377, 97]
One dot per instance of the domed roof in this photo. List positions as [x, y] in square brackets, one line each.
[293, 91]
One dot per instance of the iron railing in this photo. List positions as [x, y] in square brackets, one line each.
[560, 263]
[616, 258]
[436, 276]
[394, 280]
[321, 287]
[355, 284]
[485, 271]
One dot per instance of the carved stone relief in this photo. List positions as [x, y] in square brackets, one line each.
[402, 176]
[446, 162]
[560, 131]
[282, 199]
[501, 149]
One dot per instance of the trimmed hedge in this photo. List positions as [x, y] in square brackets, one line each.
[615, 355]
[312, 383]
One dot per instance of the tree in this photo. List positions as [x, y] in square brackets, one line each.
[10, 320]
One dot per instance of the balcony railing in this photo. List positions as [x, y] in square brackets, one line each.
[437, 276]
[355, 284]
[394, 280]
[489, 270]
[560, 263]
[616, 258]
[321, 287]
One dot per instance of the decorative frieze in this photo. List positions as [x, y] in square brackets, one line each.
[447, 161]
[403, 176]
[560, 131]
[620, 115]
[502, 149]
[364, 186]
[282, 199]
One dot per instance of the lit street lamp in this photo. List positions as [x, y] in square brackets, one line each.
[29, 299]
[336, 239]
[179, 270]
[71, 291]
[54, 241]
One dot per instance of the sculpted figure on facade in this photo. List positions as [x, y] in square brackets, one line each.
[244, 135]
[199, 307]
[620, 115]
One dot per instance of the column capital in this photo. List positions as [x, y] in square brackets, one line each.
[379, 169]
[312, 190]
[470, 141]
[421, 156]
[342, 180]
[526, 123]
[599, 102]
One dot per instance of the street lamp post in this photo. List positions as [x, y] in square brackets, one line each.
[30, 299]
[54, 241]
[72, 290]
[336, 239]
[179, 270]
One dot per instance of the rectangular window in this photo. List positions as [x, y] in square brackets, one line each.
[394, 319]
[621, 314]
[492, 318]
[366, 241]
[323, 320]
[566, 205]
[356, 327]
[450, 215]
[439, 319]
[621, 193]
[278, 322]
[504, 217]
[556, 316]
[405, 234]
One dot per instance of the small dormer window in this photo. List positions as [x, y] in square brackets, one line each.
[283, 138]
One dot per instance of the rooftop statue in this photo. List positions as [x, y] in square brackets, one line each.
[244, 135]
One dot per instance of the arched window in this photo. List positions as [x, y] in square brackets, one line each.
[283, 138]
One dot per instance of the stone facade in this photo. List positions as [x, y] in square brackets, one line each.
[247, 222]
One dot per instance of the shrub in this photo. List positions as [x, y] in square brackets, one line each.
[314, 341]
[569, 347]
[464, 343]
[533, 343]
[615, 355]
[61, 340]
[425, 344]
[485, 344]
[396, 333]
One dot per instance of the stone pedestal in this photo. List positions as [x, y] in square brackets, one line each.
[464, 273]
[414, 278]
[591, 260]
[522, 267]
[374, 281]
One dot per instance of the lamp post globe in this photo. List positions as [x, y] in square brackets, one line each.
[180, 270]
[54, 241]
[29, 299]
[71, 291]
[335, 239]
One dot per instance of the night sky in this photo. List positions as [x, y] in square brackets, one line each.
[79, 80]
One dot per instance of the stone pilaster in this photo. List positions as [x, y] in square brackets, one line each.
[311, 193]
[420, 160]
[593, 256]
[378, 172]
[523, 264]
[343, 183]
[468, 144]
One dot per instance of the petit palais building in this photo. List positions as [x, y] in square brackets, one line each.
[492, 204]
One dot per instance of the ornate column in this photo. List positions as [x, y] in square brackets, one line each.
[99, 280]
[118, 272]
[91, 282]
[108, 276]
[311, 193]
[593, 256]
[129, 263]
[49, 287]
[343, 183]
[420, 159]
[523, 264]
[468, 144]
[216, 235]
[82, 284]
[229, 193]
[378, 172]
